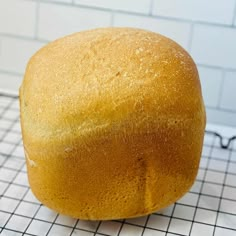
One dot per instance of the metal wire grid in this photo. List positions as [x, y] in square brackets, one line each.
[209, 208]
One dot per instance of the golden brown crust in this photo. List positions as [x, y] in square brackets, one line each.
[113, 123]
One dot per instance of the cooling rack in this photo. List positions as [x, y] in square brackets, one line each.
[209, 208]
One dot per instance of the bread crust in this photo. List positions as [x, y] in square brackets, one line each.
[113, 122]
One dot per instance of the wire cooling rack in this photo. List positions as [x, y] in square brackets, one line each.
[209, 208]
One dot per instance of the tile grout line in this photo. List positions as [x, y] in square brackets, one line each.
[112, 19]
[216, 67]
[234, 16]
[36, 19]
[189, 46]
[107, 10]
[151, 7]
[27, 38]
[221, 90]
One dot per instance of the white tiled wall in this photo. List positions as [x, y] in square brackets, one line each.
[229, 91]
[17, 17]
[178, 31]
[214, 45]
[210, 11]
[206, 29]
[140, 6]
[208, 77]
[59, 20]
[15, 53]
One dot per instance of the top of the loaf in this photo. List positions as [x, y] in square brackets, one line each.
[109, 77]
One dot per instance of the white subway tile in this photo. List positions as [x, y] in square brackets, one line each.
[211, 80]
[15, 53]
[180, 32]
[17, 17]
[65, 1]
[228, 99]
[213, 45]
[218, 116]
[10, 82]
[57, 20]
[141, 6]
[214, 11]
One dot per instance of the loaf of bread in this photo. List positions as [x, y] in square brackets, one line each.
[113, 122]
